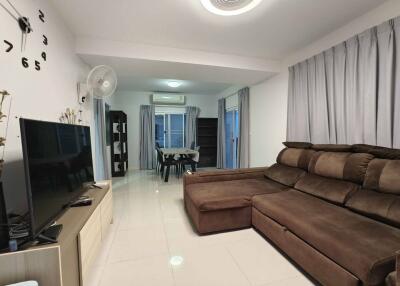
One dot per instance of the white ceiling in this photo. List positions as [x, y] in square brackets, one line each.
[272, 31]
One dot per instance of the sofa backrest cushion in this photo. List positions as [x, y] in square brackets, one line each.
[294, 157]
[298, 145]
[378, 152]
[285, 175]
[340, 165]
[332, 147]
[384, 176]
[332, 190]
[379, 206]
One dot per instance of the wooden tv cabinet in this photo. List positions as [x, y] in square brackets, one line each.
[66, 263]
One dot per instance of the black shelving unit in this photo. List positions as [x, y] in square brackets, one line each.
[119, 143]
[207, 129]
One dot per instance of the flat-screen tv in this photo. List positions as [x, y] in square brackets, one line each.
[58, 168]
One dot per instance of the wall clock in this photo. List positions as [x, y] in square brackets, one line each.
[26, 32]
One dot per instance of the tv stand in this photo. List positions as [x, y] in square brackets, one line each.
[50, 235]
[69, 261]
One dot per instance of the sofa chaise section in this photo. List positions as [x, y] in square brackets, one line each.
[222, 200]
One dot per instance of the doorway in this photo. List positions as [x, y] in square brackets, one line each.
[231, 137]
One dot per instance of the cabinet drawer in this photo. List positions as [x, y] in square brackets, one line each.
[106, 208]
[89, 242]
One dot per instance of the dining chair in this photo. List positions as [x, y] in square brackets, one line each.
[188, 160]
[158, 160]
[170, 161]
[166, 163]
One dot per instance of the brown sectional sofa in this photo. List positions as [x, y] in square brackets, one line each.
[333, 209]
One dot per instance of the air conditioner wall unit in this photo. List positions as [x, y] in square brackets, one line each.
[168, 99]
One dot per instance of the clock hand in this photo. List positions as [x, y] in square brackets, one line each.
[23, 19]
[14, 8]
[9, 12]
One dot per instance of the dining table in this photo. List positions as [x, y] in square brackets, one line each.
[170, 154]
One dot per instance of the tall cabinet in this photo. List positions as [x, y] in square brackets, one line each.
[119, 143]
[207, 129]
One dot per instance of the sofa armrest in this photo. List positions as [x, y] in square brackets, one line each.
[223, 175]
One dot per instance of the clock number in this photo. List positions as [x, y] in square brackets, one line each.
[10, 46]
[44, 56]
[41, 16]
[45, 40]
[37, 65]
[25, 63]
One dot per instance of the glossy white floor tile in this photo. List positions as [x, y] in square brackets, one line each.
[153, 243]
[260, 262]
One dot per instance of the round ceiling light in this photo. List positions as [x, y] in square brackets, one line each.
[229, 7]
[176, 260]
[174, 84]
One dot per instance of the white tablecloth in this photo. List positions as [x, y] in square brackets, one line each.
[181, 151]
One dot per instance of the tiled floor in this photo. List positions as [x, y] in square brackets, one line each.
[152, 243]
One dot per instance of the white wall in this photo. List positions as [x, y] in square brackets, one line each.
[129, 102]
[267, 120]
[36, 94]
[268, 100]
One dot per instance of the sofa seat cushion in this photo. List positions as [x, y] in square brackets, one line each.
[230, 194]
[383, 207]
[335, 191]
[361, 245]
[283, 174]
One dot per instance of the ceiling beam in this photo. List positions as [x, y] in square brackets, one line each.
[99, 47]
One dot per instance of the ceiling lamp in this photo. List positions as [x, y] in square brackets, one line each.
[174, 84]
[229, 7]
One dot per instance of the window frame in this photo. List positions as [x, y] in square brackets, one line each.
[166, 112]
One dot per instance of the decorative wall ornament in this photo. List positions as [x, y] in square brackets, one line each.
[71, 117]
[5, 99]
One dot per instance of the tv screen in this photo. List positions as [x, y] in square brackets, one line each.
[58, 167]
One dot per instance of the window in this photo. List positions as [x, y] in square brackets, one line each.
[170, 127]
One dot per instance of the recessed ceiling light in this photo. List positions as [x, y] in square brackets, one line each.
[230, 7]
[174, 83]
[176, 260]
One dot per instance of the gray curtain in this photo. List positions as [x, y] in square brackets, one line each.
[298, 115]
[100, 148]
[221, 162]
[147, 137]
[244, 128]
[318, 105]
[335, 65]
[191, 125]
[349, 93]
